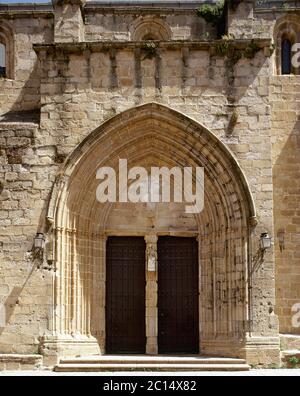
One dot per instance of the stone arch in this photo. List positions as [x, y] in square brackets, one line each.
[7, 39]
[149, 28]
[287, 27]
[147, 135]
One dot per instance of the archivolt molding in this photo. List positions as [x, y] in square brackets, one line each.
[7, 38]
[147, 27]
[287, 27]
[153, 121]
[151, 135]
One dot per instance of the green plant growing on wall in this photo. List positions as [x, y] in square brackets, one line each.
[222, 48]
[294, 361]
[214, 14]
[285, 6]
[150, 49]
[206, 36]
[251, 50]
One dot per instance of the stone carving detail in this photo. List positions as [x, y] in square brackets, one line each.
[151, 256]
[151, 252]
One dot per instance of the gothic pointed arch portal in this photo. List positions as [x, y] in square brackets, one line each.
[147, 135]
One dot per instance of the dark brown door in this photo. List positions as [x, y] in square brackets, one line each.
[125, 295]
[178, 317]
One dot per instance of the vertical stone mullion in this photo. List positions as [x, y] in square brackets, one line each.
[214, 281]
[58, 283]
[76, 284]
[61, 283]
[229, 281]
[151, 296]
[99, 285]
[82, 284]
[88, 292]
[67, 279]
[200, 269]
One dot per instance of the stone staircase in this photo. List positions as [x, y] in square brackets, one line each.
[150, 363]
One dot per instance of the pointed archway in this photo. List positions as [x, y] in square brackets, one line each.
[149, 134]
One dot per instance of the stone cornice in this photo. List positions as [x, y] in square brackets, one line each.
[277, 6]
[91, 7]
[99, 46]
[141, 7]
[26, 10]
[150, 4]
[129, 7]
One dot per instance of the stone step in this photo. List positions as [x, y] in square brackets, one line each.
[150, 363]
[149, 367]
[108, 359]
[14, 361]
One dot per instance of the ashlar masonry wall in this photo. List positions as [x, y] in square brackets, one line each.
[20, 92]
[83, 85]
[286, 171]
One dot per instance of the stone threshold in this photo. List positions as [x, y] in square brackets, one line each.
[150, 363]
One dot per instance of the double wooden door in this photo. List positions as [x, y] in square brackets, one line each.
[178, 319]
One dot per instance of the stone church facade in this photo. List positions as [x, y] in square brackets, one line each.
[87, 83]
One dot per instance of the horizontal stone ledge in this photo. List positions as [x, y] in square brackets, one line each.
[15, 126]
[26, 10]
[142, 10]
[133, 5]
[99, 46]
[104, 7]
[19, 358]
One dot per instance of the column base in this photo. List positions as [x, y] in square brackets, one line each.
[56, 346]
[257, 351]
[262, 351]
[223, 348]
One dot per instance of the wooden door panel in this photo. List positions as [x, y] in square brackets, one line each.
[178, 316]
[125, 295]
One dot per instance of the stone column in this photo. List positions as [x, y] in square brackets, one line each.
[151, 294]
[98, 292]
[70, 333]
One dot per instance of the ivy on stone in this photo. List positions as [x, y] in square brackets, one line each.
[215, 15]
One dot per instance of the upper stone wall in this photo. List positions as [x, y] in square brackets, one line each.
[125, 23]
[21, 90]
[77, 21]
[284, 99]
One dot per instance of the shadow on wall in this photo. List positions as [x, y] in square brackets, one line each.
[286, 184]
[26, 104]
[7, 308]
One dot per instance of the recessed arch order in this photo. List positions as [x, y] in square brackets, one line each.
[151, 135]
